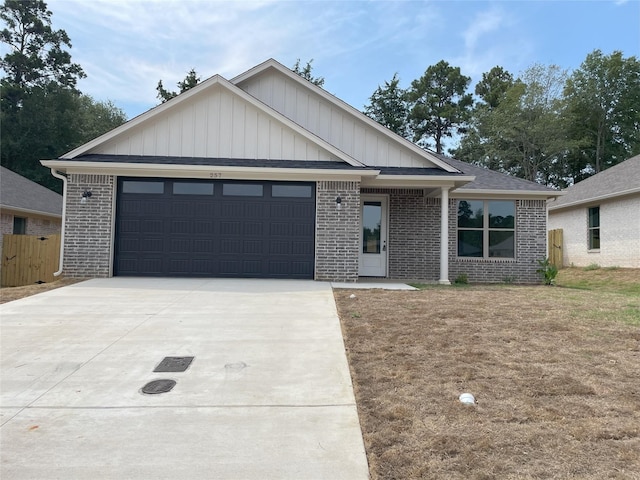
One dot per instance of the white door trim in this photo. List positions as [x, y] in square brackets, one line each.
[375, 265]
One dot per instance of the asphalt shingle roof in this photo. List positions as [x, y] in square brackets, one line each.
[617, 180]
[491, 180]
[19, 192]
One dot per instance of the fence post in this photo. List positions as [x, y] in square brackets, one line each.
[555, 247]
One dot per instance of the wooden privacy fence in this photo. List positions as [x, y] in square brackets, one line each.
[555, 247]
[28, 259]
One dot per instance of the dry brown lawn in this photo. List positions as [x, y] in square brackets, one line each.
[555, 371]
[8, 294]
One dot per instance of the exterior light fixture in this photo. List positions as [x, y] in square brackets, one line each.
[338, 202]
[85, 195]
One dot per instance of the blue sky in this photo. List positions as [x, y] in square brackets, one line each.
[125, 47]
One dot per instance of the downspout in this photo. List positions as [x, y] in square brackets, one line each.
[64, 216]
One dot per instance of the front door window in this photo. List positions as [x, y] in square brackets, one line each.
[373, 252]
[371, 223]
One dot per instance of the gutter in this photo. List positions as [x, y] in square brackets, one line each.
[64, 216]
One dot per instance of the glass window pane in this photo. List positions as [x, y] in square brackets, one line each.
[502, 214]
[242, 189]
[594, 239]
[470, 213]
[19, 225]
[594, 217]
[501, 244]
[469, 243]
[132, 186]
[298, 191]
[371, 220]
[191, 188]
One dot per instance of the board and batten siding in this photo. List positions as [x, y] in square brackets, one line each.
[214, 124]
[331, 122]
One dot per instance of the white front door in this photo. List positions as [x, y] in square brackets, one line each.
[373, 240]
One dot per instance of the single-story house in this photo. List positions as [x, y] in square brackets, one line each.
[267, 175]
[600, 218]
[27, 208]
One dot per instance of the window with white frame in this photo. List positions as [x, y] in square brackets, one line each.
[486, 228]
[594, 228]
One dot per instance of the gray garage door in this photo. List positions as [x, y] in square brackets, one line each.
[193, 228]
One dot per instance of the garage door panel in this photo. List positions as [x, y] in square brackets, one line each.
[180, 227]
[253, 228]
[280, 247]
[152, 226]
[130, 226]
[302, 248]
[151, 244]
[179, 246]
[231, 228]
[194, 229]
[252, 247]
[153, 207]
[201, 227]
[152, 266]
[201, 246]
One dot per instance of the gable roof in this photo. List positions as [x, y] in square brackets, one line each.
[21, 194]
[351, 111]
[216, 81]
[619, 180]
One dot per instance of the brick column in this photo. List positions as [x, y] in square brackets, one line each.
[337, 231]
[88, 227]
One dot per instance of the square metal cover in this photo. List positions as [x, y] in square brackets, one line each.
[174, 364]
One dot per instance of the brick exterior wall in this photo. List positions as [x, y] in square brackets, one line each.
[337, 231]
[531, 245]
[619, 233]
[88, 228]
[414, 234]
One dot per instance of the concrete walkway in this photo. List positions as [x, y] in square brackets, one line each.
[268, 395]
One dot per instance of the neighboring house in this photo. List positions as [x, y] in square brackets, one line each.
[267, 175]
[600, 218]
[26, 207]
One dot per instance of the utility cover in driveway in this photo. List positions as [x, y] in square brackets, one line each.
[215, 228]
[174, 364]
[158, 386]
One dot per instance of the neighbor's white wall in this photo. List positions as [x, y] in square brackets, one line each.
[619, 234]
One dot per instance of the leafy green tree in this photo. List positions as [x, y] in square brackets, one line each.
[42, 113]
[388, 106]
[491, 90]
[305, 72]
[525, 135]
[438, 104]
[493, 87]
[38, 54]
[191, 80]
[603, 109]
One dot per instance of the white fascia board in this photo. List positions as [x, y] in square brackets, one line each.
[206, 171]
[216, 79]
[600, 198]
[417, 181]
[8, 209]
[271, 63]
[498, 194]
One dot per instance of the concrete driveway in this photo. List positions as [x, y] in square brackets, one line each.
[267, 396]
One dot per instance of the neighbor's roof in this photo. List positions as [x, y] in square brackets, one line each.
[20, 193]
[489, 180]
[619, 180]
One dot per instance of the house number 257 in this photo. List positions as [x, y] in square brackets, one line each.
[215, 175]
